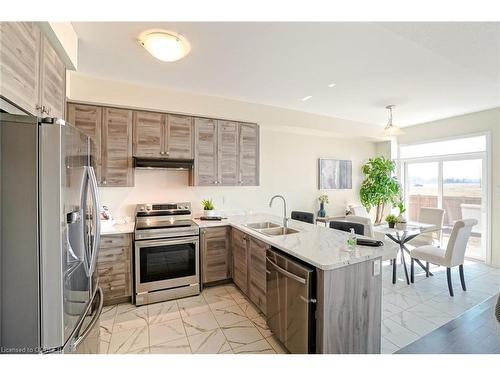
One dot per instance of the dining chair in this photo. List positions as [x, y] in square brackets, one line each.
[433, 216]
[358, 211]
[366, 221]
[306, 217]
[346, 226]
[452, 256]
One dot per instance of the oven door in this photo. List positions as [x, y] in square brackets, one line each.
[166, 263]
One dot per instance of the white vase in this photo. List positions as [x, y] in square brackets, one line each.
[209, 212]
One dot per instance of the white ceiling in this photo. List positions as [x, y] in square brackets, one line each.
[428, 70]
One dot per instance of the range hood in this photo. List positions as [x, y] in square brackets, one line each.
[155, 163]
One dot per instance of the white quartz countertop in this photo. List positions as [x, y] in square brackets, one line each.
[319, 246]
[117, 228]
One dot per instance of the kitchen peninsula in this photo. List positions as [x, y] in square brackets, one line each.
[347, 285]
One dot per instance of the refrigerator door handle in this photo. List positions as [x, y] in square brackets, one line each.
[83, 205]
[97, 225]
[95, 319]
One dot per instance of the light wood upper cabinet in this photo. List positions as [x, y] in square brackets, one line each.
[53, 81]
[117, 163]
[226, 153]
[215, 254]
[88, 118]
[227, 140]
[20, 64]
[257, 272]
[205, 160]
[248, 154]
[149, 129]
[179, 139]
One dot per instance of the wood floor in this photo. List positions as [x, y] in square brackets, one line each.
[475, 332]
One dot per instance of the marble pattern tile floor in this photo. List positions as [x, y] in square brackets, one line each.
[222, 320]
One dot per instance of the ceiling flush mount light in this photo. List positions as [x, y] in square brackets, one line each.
[306, 98]
[390, 128]
[332, 85]
[165, 45]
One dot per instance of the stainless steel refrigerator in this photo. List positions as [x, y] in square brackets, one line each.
[50, 234]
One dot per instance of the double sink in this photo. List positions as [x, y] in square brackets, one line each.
[271, 229]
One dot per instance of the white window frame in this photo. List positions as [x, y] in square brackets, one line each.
[440, 159]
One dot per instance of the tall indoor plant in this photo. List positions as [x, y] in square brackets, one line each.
[380, 186]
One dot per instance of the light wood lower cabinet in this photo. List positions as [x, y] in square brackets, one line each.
[215, 254]
[249, 267]
[240, 255]
[257, 272]
[114, 268]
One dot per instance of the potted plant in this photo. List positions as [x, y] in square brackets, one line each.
[380, 186]
[208, 207]
[402, 210]
[323, 198]
[391, 220]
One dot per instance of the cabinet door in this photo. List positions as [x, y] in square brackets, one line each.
[149, 128]
[205, 161]
[88, 118]
[257, 272]
[19, 64]
[53, 81]
[228, 153]
[239, 244]
[117, 164]
[114, 267]
[248, 154]
[179, 141]
[215, 254]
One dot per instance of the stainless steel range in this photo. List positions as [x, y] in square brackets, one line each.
[167, 255]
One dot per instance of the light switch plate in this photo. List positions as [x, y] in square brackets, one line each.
[376, 267]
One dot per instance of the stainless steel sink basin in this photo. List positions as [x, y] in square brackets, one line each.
[263, 225]
[279, 231]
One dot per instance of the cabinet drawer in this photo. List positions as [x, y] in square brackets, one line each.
[114, 254]
[113, 268]
[115, 240]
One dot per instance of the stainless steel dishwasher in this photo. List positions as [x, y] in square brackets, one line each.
[290, 302]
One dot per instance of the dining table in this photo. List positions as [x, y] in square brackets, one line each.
[402, 234]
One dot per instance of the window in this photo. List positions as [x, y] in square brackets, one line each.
[449, 174]
[440, 148]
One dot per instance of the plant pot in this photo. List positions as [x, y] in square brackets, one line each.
[391, 225]
[322, 211]
[209, 212]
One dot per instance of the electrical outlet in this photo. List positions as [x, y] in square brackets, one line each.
[376, 267]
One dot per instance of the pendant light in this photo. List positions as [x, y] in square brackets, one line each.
[390, 128]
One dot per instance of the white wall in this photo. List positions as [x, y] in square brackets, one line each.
[291, 143]
[484, 121]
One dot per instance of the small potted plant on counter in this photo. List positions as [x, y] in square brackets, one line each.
[323, 198]
[208, 207]
[391, 220]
